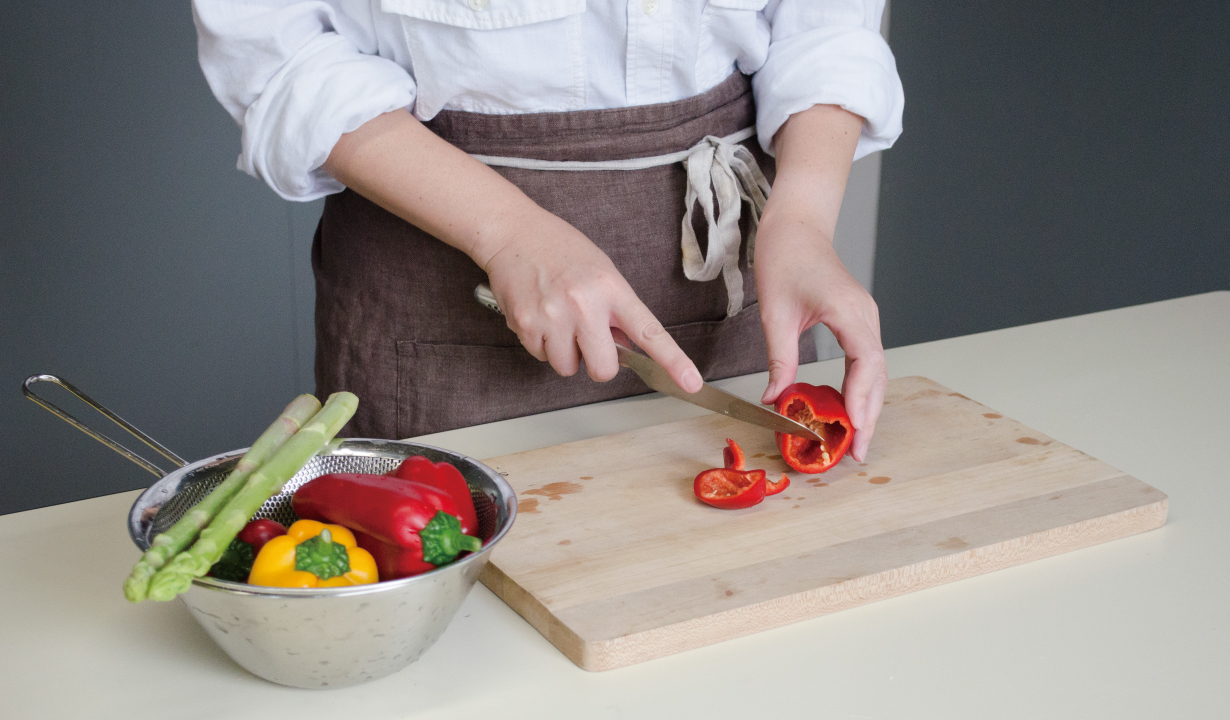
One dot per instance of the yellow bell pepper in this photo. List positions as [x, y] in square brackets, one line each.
[313, 554]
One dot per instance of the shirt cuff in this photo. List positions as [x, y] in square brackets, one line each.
[847, 66]
[329, 89]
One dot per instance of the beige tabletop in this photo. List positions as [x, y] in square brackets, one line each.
[1137, 628]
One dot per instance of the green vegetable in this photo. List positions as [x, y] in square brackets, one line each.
[236, 562]
[176, 577]
[183, 532]
[322, 557]
[443, 540]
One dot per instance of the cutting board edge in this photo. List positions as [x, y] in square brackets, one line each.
[711, 629]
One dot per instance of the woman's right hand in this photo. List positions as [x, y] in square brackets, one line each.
[565, 298]
[561, 294]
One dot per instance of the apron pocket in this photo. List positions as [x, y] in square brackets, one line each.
[442, 386]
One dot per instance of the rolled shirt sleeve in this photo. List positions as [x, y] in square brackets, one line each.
[294, 76]
[829, 53]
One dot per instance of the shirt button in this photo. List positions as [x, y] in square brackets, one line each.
[478, 4]
[649, 6]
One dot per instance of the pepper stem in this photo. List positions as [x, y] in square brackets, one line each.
[443, 540]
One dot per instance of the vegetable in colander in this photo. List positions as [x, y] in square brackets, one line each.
[176, 577]
[180, 535]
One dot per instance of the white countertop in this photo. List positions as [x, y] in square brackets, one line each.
[1137, 628]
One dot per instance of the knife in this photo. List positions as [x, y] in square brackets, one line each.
[708, 397]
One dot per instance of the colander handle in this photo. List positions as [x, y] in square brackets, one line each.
[100, 437]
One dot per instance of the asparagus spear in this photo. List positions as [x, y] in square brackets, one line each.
[177, 575]
[166, 545]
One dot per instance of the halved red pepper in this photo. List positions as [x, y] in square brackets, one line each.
[408, 527]
[443, 476]
[735, 459]
[729, 489]
[822, 409]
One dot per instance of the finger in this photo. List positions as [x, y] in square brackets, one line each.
[598, 350]
[644, 329]
[864, 367]
[862, 438]
[782, 338]
[562, 353]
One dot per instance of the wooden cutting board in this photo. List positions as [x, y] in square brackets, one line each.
[615, 562]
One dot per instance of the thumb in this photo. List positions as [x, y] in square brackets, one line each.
[782, 340]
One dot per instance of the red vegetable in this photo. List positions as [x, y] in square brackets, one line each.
[407, 526]
[259, 532]
[730, 489]
[822, 409]
[446, 477]
[773, 488]
[732, 456]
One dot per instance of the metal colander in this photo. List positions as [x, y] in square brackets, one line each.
[164, 503]
[313, 637]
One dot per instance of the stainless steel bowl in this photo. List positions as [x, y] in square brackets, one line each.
[309, 638]
[328, 637]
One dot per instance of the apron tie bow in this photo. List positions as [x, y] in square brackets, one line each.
[717, 166]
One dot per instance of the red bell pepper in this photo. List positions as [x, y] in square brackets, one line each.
[822, 409]
[735, 459]
[443, 476]
[729, 489]
[407, 526]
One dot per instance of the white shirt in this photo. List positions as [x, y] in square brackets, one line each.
[297, 75]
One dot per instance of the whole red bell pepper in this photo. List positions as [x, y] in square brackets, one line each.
[443, 476]
[822, 409]
[407, 526]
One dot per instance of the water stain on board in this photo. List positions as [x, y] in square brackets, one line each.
[1029, 441]
[527, 505]
[879, 480]
[952, 543]
[863, 474]
[758, 455]
[993, 416]
[587, 477]
[562, 542]
[556, 490]
[774, 457]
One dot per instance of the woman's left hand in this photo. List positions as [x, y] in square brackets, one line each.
[801, 283]
[800, 280]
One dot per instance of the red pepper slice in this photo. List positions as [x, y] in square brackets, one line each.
[443, 476]
[822, 409]
[730, 489]
[773, 488]
[733, 457]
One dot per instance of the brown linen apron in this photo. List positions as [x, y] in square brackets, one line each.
[396, 319]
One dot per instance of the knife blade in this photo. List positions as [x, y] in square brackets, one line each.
[708, 397]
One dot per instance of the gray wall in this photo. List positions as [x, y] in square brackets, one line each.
[135, 260]
[138, 263]
[1058, 158]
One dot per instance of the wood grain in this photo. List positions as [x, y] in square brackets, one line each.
[615, 562]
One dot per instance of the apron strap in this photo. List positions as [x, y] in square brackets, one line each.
[715, 166]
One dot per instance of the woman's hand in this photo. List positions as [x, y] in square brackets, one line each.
[559, 292]
[800, 280]
[564, 297]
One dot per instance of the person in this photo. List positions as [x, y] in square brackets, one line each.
[568, 152]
